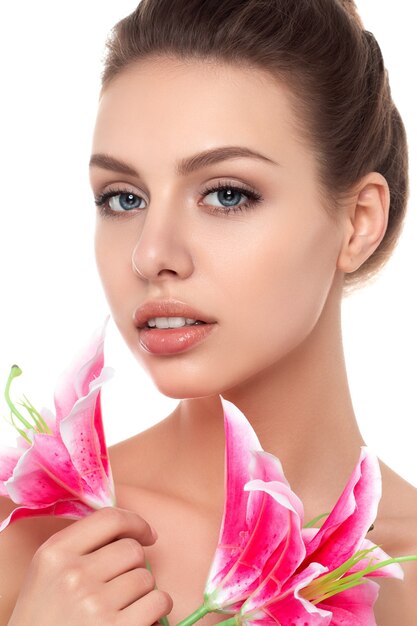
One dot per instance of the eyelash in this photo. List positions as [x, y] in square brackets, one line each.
[253, 196]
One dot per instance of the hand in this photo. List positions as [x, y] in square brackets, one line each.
[92, 573]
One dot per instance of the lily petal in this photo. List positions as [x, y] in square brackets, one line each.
[45, 474]
[290, 551]
[290, 608]
[99, 435]
[268, 468]
[394, 570]
[71, 509]
[309, 533]
[50, 419]
[74, 381]
[240, 440]
[267, 529]
[353, 607]
[8, 460]
[345, 528]
[21, 442]
[86, 447]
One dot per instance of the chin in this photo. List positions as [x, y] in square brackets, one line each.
[179, 389]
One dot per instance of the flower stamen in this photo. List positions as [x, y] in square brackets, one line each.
[38, 423]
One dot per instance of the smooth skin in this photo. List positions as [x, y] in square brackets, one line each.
[272, 277]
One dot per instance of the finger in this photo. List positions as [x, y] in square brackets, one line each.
[114, 559]
[146, 610]
[100, 528]
[129, 587]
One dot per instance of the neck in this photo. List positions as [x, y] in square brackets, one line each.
[301, 411]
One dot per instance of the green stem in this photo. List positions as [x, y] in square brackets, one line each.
[398, 559]
[315, 520]
[163, 620]
[337, 590]
[372, 567]
[41, 425]
[195, 616]
[352, 580]
[14, 372]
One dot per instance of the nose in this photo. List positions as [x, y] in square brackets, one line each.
[162, 250]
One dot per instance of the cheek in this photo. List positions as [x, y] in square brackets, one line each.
[113, 264]
[280, 285]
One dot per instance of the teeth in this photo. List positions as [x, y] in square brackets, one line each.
[171, 322]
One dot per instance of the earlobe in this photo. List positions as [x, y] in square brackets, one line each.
[366, 222]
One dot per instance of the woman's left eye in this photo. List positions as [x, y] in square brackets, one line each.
[227, 193]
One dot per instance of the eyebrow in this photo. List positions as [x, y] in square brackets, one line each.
[186, 165]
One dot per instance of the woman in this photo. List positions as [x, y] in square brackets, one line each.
[264, 164]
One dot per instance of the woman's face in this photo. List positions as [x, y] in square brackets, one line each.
[263, 273]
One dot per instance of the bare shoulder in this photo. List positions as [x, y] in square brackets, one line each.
[396, 532]
[398, 509]
[18, 543]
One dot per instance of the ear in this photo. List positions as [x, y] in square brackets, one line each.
[365, 223]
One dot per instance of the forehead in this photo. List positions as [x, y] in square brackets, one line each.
[172, 107]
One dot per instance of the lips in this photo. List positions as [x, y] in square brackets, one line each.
[168, 308]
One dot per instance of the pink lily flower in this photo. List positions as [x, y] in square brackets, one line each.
[248, 539]
[267, 569]
[60, 465]
[331, 584]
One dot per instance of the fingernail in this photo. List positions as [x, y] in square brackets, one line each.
[154, 533]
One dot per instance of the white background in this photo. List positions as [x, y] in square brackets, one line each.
[51, 295]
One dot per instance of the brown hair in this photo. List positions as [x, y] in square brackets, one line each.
[334, 67]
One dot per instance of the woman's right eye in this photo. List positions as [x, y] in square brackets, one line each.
[117, 202]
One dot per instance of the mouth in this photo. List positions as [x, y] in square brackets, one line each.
[169, 314]
[169, 341]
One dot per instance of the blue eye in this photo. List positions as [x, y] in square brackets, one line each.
[127, 200]
[224, 192]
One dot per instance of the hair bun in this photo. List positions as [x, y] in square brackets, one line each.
[351, 8]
